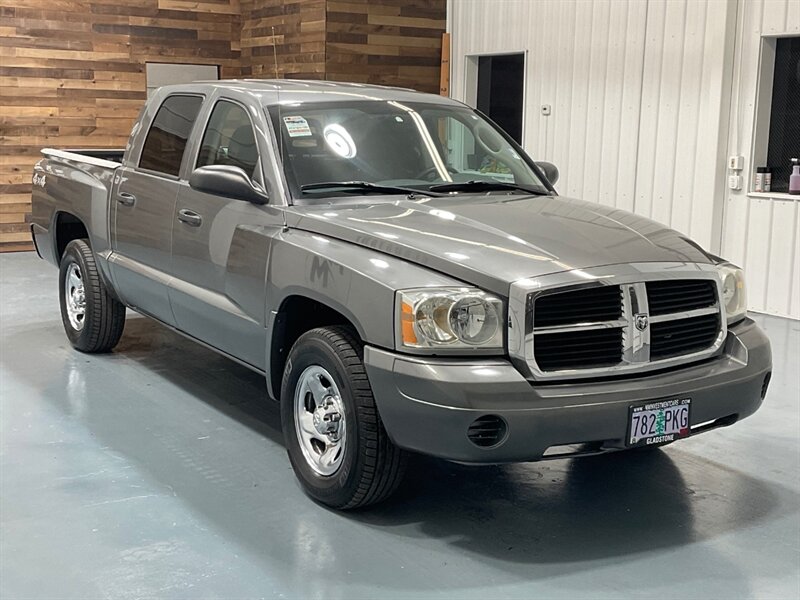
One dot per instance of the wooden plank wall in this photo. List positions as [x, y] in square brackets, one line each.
[390, 42]
[72, 74]
[299, 38]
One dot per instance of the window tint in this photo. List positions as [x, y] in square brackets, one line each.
[229, 140]
[166, 140]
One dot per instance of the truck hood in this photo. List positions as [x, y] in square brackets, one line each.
[491, 240]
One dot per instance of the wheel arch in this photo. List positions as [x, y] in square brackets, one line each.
[299, 312]
[66, 228]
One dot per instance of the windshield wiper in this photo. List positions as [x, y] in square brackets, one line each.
[475, 185]
[365, 186]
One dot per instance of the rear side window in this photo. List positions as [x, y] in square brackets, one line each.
[229, 139]
[166, 140]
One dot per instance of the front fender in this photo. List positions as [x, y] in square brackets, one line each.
[360, 283]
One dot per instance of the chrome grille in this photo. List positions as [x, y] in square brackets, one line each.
[578, 349]
[664, 297]
[682, 336]
[600, 328]
[563, 308]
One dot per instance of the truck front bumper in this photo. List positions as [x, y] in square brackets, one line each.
[428, 404]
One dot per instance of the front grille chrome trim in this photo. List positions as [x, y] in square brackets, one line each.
[632, 279]
[686, 314]
[635, 342]
[580, 327]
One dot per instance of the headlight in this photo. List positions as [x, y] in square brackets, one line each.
[733, 292]
[449, 319]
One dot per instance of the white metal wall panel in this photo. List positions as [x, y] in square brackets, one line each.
[633, 44]
[643, 117]
[585, 60]
[684, 106]
[633, 87]
[761, 234]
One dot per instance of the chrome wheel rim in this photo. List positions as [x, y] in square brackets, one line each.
[319, 420]
[75, 297]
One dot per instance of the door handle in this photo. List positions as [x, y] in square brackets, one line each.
[126, 199]
[189, 217]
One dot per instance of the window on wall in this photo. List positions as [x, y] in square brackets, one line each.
[784, 123]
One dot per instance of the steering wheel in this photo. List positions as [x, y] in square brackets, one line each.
[426, 174]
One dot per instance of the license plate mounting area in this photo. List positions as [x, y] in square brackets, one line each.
[659, 422]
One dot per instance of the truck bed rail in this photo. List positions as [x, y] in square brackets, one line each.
[103, 157]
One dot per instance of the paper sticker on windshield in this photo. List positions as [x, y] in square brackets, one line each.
[296, 126]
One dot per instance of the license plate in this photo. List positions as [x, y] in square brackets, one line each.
[659, 422]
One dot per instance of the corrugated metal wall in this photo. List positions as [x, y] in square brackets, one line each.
[761, 234]
[641, 102]
[585, 60]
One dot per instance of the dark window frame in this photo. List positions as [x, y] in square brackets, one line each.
[782, 142]
[157, 172]
[762, 120]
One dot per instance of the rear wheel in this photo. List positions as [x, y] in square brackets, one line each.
[93, 319]
[336, 441]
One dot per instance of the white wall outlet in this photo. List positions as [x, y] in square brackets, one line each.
[736, 163]
[546, 110]
[734, 182]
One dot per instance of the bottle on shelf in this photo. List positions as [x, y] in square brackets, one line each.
[761, 173]
[794, 178]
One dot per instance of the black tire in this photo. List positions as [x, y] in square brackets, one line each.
[372, 467]
[104, 316]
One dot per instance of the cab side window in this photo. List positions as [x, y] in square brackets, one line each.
[166, 141]
[229, 140]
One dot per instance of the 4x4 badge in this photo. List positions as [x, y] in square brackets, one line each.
[640, 320]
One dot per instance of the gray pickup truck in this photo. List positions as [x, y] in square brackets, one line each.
[403, 274]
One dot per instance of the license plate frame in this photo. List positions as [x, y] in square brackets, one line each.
[661, 428]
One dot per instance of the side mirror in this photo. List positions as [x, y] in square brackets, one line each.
[550, 170]
[228, 181]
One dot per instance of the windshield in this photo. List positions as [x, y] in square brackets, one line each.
[392, 145]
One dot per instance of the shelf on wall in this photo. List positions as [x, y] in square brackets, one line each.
[773, 195]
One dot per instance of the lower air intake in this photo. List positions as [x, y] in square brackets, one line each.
[487, 431]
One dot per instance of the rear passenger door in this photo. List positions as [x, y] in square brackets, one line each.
[143, 207]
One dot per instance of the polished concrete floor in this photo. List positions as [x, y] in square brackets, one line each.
[158, 471]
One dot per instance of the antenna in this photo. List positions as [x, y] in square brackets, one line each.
[277, 93]
[274, 52]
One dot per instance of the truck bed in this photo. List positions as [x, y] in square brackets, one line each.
[76, 183]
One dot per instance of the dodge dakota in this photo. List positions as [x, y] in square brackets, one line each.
[404, 276]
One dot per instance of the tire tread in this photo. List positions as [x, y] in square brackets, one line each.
[384, 464]
[105, 315]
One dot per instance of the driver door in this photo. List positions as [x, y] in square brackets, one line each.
[220, 246]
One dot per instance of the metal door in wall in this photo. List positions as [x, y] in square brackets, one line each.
[500, 90]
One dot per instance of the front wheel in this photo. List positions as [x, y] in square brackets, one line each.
[336, 441]
[93, 319]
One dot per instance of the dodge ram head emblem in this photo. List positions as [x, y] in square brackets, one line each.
[640, 320]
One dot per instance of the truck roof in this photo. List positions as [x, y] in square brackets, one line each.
[274, 91]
